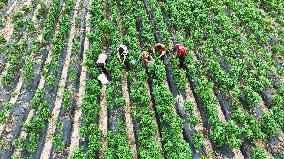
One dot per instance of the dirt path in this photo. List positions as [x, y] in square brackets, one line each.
[59, 95]
[105, 9]
[119, 21]
[125, 92]
[128, 119]
[75, 136]
[103, 114]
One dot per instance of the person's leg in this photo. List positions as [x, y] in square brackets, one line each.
[174, 50]
[181, 61]
[127, 64]
[99, 66]
[104, 70]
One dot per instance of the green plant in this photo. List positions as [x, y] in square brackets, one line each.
[188, 105]
[72, 75]
[4, 112]
[19, 143]
[252, 97]
[78, 153]
[28, 70]
[258, 153]
[51, 80]
[57, 142]
[193, 120]
[67, 99]
[197, 140]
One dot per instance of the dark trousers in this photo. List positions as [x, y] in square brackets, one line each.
[101, 66]
[181, 61]
[163, 57]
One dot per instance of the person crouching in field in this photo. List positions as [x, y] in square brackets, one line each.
[180, 52]
[161, 49]
[146, 58]
[101, 62]
[123, 52]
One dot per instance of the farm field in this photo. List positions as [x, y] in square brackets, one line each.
[228, 101]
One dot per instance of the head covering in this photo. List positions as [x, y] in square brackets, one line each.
[102, 58]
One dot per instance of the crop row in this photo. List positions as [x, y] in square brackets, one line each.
[142, 111]
[89, 129]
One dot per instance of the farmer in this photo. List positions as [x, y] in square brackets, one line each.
[181, 52]
[146, 58]
[161, 48]
[123, 51]
[101, 62]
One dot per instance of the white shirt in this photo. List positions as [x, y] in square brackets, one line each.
[125, 52]
[103, 79]
[102, 58]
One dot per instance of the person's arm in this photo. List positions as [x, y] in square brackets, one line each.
[176, 55]
[141, 56]
[124, 58]
[152, 61]
[162, 54]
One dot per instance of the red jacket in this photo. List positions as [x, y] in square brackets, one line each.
[181, 50]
